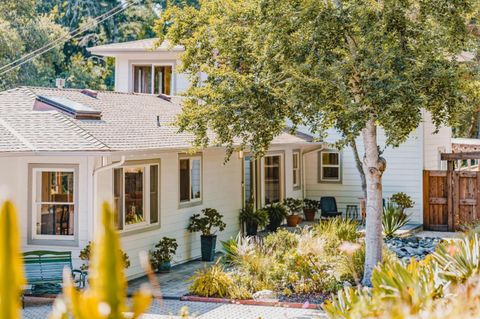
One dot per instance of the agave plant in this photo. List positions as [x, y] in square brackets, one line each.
[459, 259]
[393, 219]
[11, 267]
[106, 296]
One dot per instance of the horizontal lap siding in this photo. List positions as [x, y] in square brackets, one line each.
[403, 174]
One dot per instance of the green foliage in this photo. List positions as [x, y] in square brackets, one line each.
[393, 219]
[211, 218]
[459, 260]
[311, 203]
[165, 251]
[86, 73]
[402, 200]
[276, 212]
[323, 64]
[11, 272]
[293, 205]
[85, 254]
[215, 282]
[248, 214]
[342, 229]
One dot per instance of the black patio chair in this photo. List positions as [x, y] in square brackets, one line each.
[328, 207]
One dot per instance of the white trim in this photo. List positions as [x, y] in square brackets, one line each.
[322, 165]
[36, 203]
[281, 177]
[296, 171]
[190, 159]
[152, 65]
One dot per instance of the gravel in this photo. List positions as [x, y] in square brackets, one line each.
[418, 248]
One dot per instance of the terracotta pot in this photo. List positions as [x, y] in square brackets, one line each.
[293, 220]
[309, 214]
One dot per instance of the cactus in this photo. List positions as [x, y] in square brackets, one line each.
[106, 296]
[11, 267]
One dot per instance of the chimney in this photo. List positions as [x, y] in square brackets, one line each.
[60, 83]
[90, 93]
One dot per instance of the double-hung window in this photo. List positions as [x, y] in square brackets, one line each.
[329, 166]
[296, 169]
[190, 179]
[136, 195]
[54, 192]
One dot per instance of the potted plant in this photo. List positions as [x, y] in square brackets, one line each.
[253, 219]
[277, 212]
[86, 252]
[161, 257]
[294, 206]
[210, 219]
[310, 207]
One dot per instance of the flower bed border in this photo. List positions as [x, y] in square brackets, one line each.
[251, 302]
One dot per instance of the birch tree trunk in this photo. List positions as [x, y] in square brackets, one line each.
[359, 165]
[373, 168]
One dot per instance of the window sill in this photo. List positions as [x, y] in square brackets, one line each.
[297, 188]
[190, 204]
[53, 242]
[138, 230]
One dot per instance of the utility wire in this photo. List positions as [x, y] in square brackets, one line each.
[49, 46]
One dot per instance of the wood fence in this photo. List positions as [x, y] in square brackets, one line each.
[450, 198]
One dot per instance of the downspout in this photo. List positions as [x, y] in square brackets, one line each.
[304, 184]
[96, 171]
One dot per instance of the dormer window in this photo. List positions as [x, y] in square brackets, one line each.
[152, 78]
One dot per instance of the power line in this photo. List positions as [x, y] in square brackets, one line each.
[49, 46]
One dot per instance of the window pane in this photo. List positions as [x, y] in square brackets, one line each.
[331, 173]
[134, 208]
[153, 194]
[248, 180]
[55, 187]
[295, 160]
[163, 79]
[272, 179]
[142, 79]
[330, 158]
[195, 175]
[117, 196]
[184, 180]
[55, 219]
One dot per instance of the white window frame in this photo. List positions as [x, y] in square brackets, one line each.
[146, 197]
[282, 176]
[296, 171]
[191, 200]
[152, 80]
[321, 166]
[35, 203]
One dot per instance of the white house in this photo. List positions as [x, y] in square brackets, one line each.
[63, 152]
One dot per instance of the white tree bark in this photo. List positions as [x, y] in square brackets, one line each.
[373, 169]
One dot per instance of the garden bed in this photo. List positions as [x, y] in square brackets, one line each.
[252, 302]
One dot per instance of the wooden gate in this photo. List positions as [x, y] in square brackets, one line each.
[450, 199]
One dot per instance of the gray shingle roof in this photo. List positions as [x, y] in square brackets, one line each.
[129, 122]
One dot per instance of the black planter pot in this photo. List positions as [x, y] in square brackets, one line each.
[251, 228]
[208, 244]
[165, 267]
[274, 224]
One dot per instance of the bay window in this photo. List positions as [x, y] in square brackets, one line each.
[136, 195]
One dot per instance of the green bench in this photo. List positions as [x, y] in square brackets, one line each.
[44, 271]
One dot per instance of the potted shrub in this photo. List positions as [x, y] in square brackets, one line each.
[205, 224]
[86, 252]
[294, 206]
[161, 257]
[310, 207]
[402, 200]
[277, 212]
[253, 219]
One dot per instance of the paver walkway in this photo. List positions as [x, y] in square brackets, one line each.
[201, 310]
[173, 284]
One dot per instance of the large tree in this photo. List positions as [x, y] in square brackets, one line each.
[355, 66]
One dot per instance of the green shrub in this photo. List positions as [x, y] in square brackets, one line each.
[402, 200]
[248, 214]
[342, 229]
[280, 243]
[293, 205]
[393, 219]
[211, 219]
[211, 282]
[165, 250]
[459, 259]
[277, 212]
[86, 252]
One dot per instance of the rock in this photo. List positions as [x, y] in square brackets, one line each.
[406, 248]
[265, 295]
